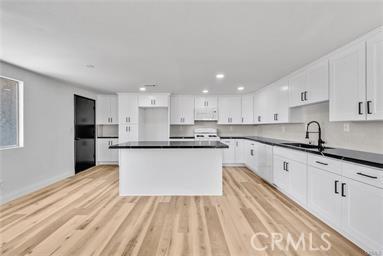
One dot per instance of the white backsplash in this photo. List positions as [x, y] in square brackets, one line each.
[363, 136]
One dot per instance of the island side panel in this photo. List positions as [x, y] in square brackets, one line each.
[148, 172]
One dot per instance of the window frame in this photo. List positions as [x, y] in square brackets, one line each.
[20, 115]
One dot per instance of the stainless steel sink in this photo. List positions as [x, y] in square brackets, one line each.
[301, 145]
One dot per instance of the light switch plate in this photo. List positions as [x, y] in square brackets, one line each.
[346, 127]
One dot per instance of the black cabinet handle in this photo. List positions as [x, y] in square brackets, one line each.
[276, 117]
[343, 185]
[336, 186]
[284, 165]
[301, 96]
[369, 107]
[360, 108]
[318, 162]
[305, 94]
[365, 175]
[287, 166]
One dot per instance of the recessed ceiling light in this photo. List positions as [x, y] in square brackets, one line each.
[142, 89]
[205, 91]
[220, 76]
[284, 88]
[89, 66]
[240, 88]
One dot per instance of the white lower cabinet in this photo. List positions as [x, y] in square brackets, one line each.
[128, 132]
[104, 153]
[235, 153]
[228, 153]
[349, 203]
[289, 175]
[264, 161]
[324, 198]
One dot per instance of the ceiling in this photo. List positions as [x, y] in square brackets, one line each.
[178, 45]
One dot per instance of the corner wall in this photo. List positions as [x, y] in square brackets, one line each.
[48, 152]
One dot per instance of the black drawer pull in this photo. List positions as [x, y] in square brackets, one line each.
[321, 163]
[360, 108]
[369, 107]
[365, 175]
[336, 187]
[343, 185]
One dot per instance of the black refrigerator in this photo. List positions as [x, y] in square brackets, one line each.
[85, 133]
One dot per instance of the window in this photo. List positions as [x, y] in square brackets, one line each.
[11, 113]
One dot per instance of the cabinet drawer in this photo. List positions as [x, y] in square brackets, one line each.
[292, 154]
[325, 163]
[363, 173]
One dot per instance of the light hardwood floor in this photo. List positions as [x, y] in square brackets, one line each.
[83, 215]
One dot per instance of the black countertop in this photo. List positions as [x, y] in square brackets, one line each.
[361, 157]
[169, 144]
[107, 137]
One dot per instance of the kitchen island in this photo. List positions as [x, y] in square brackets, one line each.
[148, 168]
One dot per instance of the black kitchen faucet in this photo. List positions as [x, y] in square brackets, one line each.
[320, 141]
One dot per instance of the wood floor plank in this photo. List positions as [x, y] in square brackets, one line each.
[84, 215]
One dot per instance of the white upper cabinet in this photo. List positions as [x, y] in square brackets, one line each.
[279, 98]
[374, 108]
[348, 83]
[309, 85]
[317, 82]
[247, 109]
[298, 88]
[153, 100]
[128, 108]
[229, 110]
[206, 101]
[182, 110]
[106, 109]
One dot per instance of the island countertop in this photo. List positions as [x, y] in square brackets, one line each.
[169, 144]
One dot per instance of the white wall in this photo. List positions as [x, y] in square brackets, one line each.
[363, 136]
[223, 130]
[48, 152]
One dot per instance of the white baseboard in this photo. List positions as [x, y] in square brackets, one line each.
[233, 165]
[33, 187]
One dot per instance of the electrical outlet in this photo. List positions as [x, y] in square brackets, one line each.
[346, 127]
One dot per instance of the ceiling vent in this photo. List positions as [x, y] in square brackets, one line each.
[150, 85]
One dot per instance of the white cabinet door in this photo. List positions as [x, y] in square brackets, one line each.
[175, 110]
[279, 102]
[362, 214]
[113, 152]
[317, 82]
[252, 165]
[280, 173]
[247, 109]
[187, 103]
[104, 154]
[348, 84]
[103, 109]
[298, 88]
[229, 110]
[264, 161]
[153, 100]
[297, 181]
[182, 109]
[239, 151]
[324, 198]
[247, 152]
[128, 108]
[113, 101]
[127, 132]
[206, 101]
[375, 77]
[229, 153]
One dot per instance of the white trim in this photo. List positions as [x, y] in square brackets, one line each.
[34, 187]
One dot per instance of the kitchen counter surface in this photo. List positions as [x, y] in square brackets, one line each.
[361, 157]
[169, 144]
